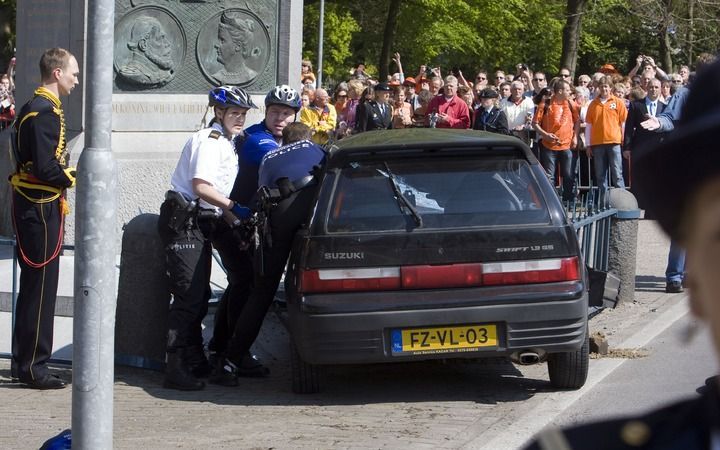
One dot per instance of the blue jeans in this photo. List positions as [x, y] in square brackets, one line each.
[549, 160]
[607, 156]
[675, 270]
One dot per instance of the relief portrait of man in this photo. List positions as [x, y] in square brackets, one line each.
[151, 63]
[235, 36]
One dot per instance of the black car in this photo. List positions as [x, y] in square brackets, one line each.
[435, 244]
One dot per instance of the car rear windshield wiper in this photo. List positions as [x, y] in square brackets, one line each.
[405, 206]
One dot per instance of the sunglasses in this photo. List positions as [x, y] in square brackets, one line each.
[538, 79]
[481, 78]
[341, 95]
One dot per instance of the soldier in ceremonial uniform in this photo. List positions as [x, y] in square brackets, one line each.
[38, 208]
[679, 182]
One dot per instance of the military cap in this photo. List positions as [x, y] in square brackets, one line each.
[488, 93]
[383, 87]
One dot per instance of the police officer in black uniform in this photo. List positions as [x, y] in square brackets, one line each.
[287, 177]
[375, 114]
[679, 181]
[196, 211]
[39, 183]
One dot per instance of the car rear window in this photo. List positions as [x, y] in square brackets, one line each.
[445, 192]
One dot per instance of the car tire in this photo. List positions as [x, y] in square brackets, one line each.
[569, 370]
[305, 377]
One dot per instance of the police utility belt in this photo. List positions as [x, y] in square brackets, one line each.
[185, 213]
[285, 188]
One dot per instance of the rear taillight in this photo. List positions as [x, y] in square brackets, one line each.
[529, 272]
[441, 276]
[339, 280]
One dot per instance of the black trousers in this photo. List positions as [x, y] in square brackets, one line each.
[239, 267]
[188, 259]
[285, 220]
[38, 233]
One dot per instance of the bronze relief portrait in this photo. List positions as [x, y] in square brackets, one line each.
[149, 47]
[233, 47]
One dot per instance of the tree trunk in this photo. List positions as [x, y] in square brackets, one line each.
[388, 38]
[571, 34]
[664, 38]
[690, 34]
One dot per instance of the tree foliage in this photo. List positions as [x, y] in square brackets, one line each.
[7, 32]
[475, 34]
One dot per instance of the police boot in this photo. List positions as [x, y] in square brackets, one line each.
[196, 360]
[251, 366]
[223, 371]
[177, 374]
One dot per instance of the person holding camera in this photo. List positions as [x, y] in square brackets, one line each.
[197, 210]
[448, 110]
[647, 67]
[7, 103]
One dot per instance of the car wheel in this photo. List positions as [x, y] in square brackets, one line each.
[569, 370]
[305, 377]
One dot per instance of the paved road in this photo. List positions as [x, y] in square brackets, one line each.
[673, 370]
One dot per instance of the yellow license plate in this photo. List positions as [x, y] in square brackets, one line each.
[466, 338]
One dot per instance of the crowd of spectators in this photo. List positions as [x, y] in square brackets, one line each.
[598, 113]
[7, 96]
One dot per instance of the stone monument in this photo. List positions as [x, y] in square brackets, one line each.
[167, 55]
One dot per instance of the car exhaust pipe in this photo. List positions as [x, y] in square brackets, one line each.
[527, 358]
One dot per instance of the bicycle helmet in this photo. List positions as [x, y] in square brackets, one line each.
[284, 95]
[226, 96]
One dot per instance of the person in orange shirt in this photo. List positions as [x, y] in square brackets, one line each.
[556, 121]
[604, 129]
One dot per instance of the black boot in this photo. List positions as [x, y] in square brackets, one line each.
[196, 360]
[251, 366]
[223, 371]
[177, 374]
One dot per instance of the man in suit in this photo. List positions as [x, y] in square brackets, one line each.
[375, 114]
[637, 138]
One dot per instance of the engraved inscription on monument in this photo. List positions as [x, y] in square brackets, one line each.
[149, 48]
[233, 47]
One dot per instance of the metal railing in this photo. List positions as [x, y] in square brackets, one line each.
[591, 216]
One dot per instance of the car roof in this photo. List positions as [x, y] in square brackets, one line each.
[418, 139]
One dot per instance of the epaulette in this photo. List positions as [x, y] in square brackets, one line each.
[215, 134]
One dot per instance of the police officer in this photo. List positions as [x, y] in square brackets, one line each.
[375, 114]
[679, 182]
[196, 210]
[281, 106]
[39, 183]
[287, 174]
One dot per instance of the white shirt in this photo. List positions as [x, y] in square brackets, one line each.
[517, 113]
[209, 158]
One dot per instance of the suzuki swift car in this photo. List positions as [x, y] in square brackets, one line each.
[436, 244]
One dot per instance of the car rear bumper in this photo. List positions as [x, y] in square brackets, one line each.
[553, 324]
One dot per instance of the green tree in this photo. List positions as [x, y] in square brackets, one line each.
[339, 29]
[7, 32]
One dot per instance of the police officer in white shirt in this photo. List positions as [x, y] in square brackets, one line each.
[194, 211]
